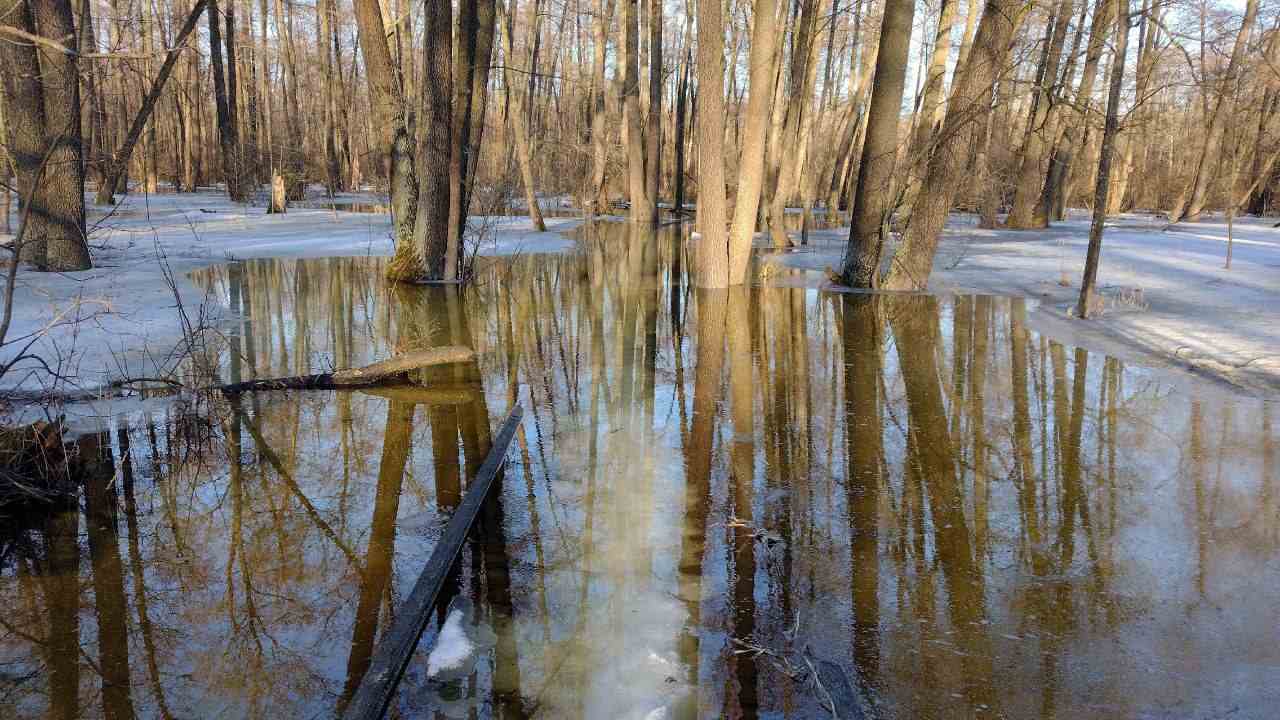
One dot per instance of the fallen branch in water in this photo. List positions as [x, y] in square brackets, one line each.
[379, 374]
[362, 377]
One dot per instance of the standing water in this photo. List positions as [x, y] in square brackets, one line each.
[715, 494]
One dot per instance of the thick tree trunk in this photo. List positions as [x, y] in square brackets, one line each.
[23, 97]
[653, 120]
[1040, 130]
[872, 200]
[642, 207]
[226, 119]
[60, 191]
[395, 138]
[599, 114]
[712, 250]
[751, 165]
[431, 229]
[966, 117]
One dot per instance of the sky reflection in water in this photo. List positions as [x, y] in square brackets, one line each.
[968, 518]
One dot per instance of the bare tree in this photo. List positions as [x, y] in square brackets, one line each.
[873, 197]
[712, 252]
[1086, 305]
[751, 164]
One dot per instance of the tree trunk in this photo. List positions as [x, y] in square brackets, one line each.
[872, 200]
[642, 210]
[226, 120]
[1191, 204]
[930, 100]
[23, 97]
[966, 117]
[751, 165]
[653, 121]
[519, 119]
[59, 192]
[121, 160]
[1030, 177]
[1055, 185]
[682, 112]
[599, 114]
[712, 250]
[464, 61]
[799, 85]
[1087, 304]
[431, 229]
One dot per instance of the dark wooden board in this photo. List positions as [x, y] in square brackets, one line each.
[397, 645]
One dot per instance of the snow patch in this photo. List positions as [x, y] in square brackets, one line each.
[453, 648]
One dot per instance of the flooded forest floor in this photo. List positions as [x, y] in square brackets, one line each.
[713, 498]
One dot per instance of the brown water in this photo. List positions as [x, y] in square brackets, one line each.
[713, 490]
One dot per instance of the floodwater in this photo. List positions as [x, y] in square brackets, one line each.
[713, 493]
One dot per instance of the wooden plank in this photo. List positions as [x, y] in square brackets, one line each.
[397, 645]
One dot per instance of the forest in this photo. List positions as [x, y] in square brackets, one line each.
[639, 359]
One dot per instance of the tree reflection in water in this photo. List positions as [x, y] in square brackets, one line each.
[971, 519]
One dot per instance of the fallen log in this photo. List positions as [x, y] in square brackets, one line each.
[378, 373]
[397, 645]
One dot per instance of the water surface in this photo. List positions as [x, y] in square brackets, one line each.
[712, 491]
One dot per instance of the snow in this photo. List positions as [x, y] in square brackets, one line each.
[453, 648]
[1193, 315]
[121, 319]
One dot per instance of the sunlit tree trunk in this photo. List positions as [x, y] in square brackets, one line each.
[519, 119]
[872, 201]
[431, 229]
[751, 166]
[1085, 307]
[1190, 205]
[1040, 131]
[712, 250]
[967, 112]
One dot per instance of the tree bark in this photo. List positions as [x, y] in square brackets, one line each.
[642, 208]
[751, 165]
[395, 138]
[1086, 304]
[226, 119]
[61, 189]
[519, 119]
[431, 229]
[653, 121]
[1191, 204]
[712, 250]
[599, 114]
[872, 200]
[966, 117]
[23, 97]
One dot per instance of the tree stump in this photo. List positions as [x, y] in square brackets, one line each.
[279, 200]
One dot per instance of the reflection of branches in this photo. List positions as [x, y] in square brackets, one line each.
[287, 477]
